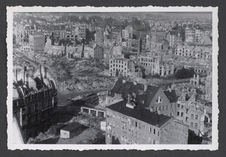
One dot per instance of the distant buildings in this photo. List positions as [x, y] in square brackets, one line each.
[197, 52]
[189, 35]
[82, 30]
[37, 43]
[157, 35]
[99, 36]
[22, 32]
[174, 38]
[153, 65]
[98, 52]
[197, 35]
[119, 66]
[127, 33]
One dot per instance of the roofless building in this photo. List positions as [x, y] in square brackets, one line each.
[34, 100]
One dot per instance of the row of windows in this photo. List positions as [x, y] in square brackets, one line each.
[166, 72]
[192, 115]
[145, 60]
[119, 70]
[145, 64]
[151, 130]
[191, 54]
[138, 125]
[163, 108]
[113, 65]
[195, 125]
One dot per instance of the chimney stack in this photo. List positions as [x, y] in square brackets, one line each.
[41, 72]
[170, 89]
[145, 87]
[151, 109]
[158, 111]
[27, 82]
[16, 75]
[130, 104]
[128, 99]
[45, 72]
[25, 71]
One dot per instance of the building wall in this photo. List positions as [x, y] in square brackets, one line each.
[157, 36]
[191, 115]
[198, 52]
[37, 43]
[174, 132]
[189, 35]
[161, 104]
[184, 51]
[119, 66]
[82, 31]
[98, 53]
[129, 130]
[99, 37]
[166, 69]
[150, 63]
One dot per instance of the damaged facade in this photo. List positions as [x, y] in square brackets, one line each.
[34, 100]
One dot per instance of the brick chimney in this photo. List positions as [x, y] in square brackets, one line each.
[27, 81]
[25, 72]
[40, 70]
[45, 72]
[130, 104]
[145, 87]
[16, 74]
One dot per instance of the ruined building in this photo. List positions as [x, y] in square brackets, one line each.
[34, 100]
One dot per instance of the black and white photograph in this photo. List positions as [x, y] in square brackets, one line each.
[139, 78]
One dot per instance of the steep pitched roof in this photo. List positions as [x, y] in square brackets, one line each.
[171, 95]
[151, 92]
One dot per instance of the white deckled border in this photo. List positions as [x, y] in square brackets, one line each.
[215, 110]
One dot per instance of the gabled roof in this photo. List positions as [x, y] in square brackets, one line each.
[171, 95]
[140, 113]
[143, 98]
[151, 92]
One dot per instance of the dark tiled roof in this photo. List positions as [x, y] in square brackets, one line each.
[140, 113]
[150, 93]
[141, 95]
[91, 100]
[171, 95]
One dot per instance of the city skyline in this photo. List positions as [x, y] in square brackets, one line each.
[111, 78]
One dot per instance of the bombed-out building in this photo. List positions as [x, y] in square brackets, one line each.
[34, 100]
